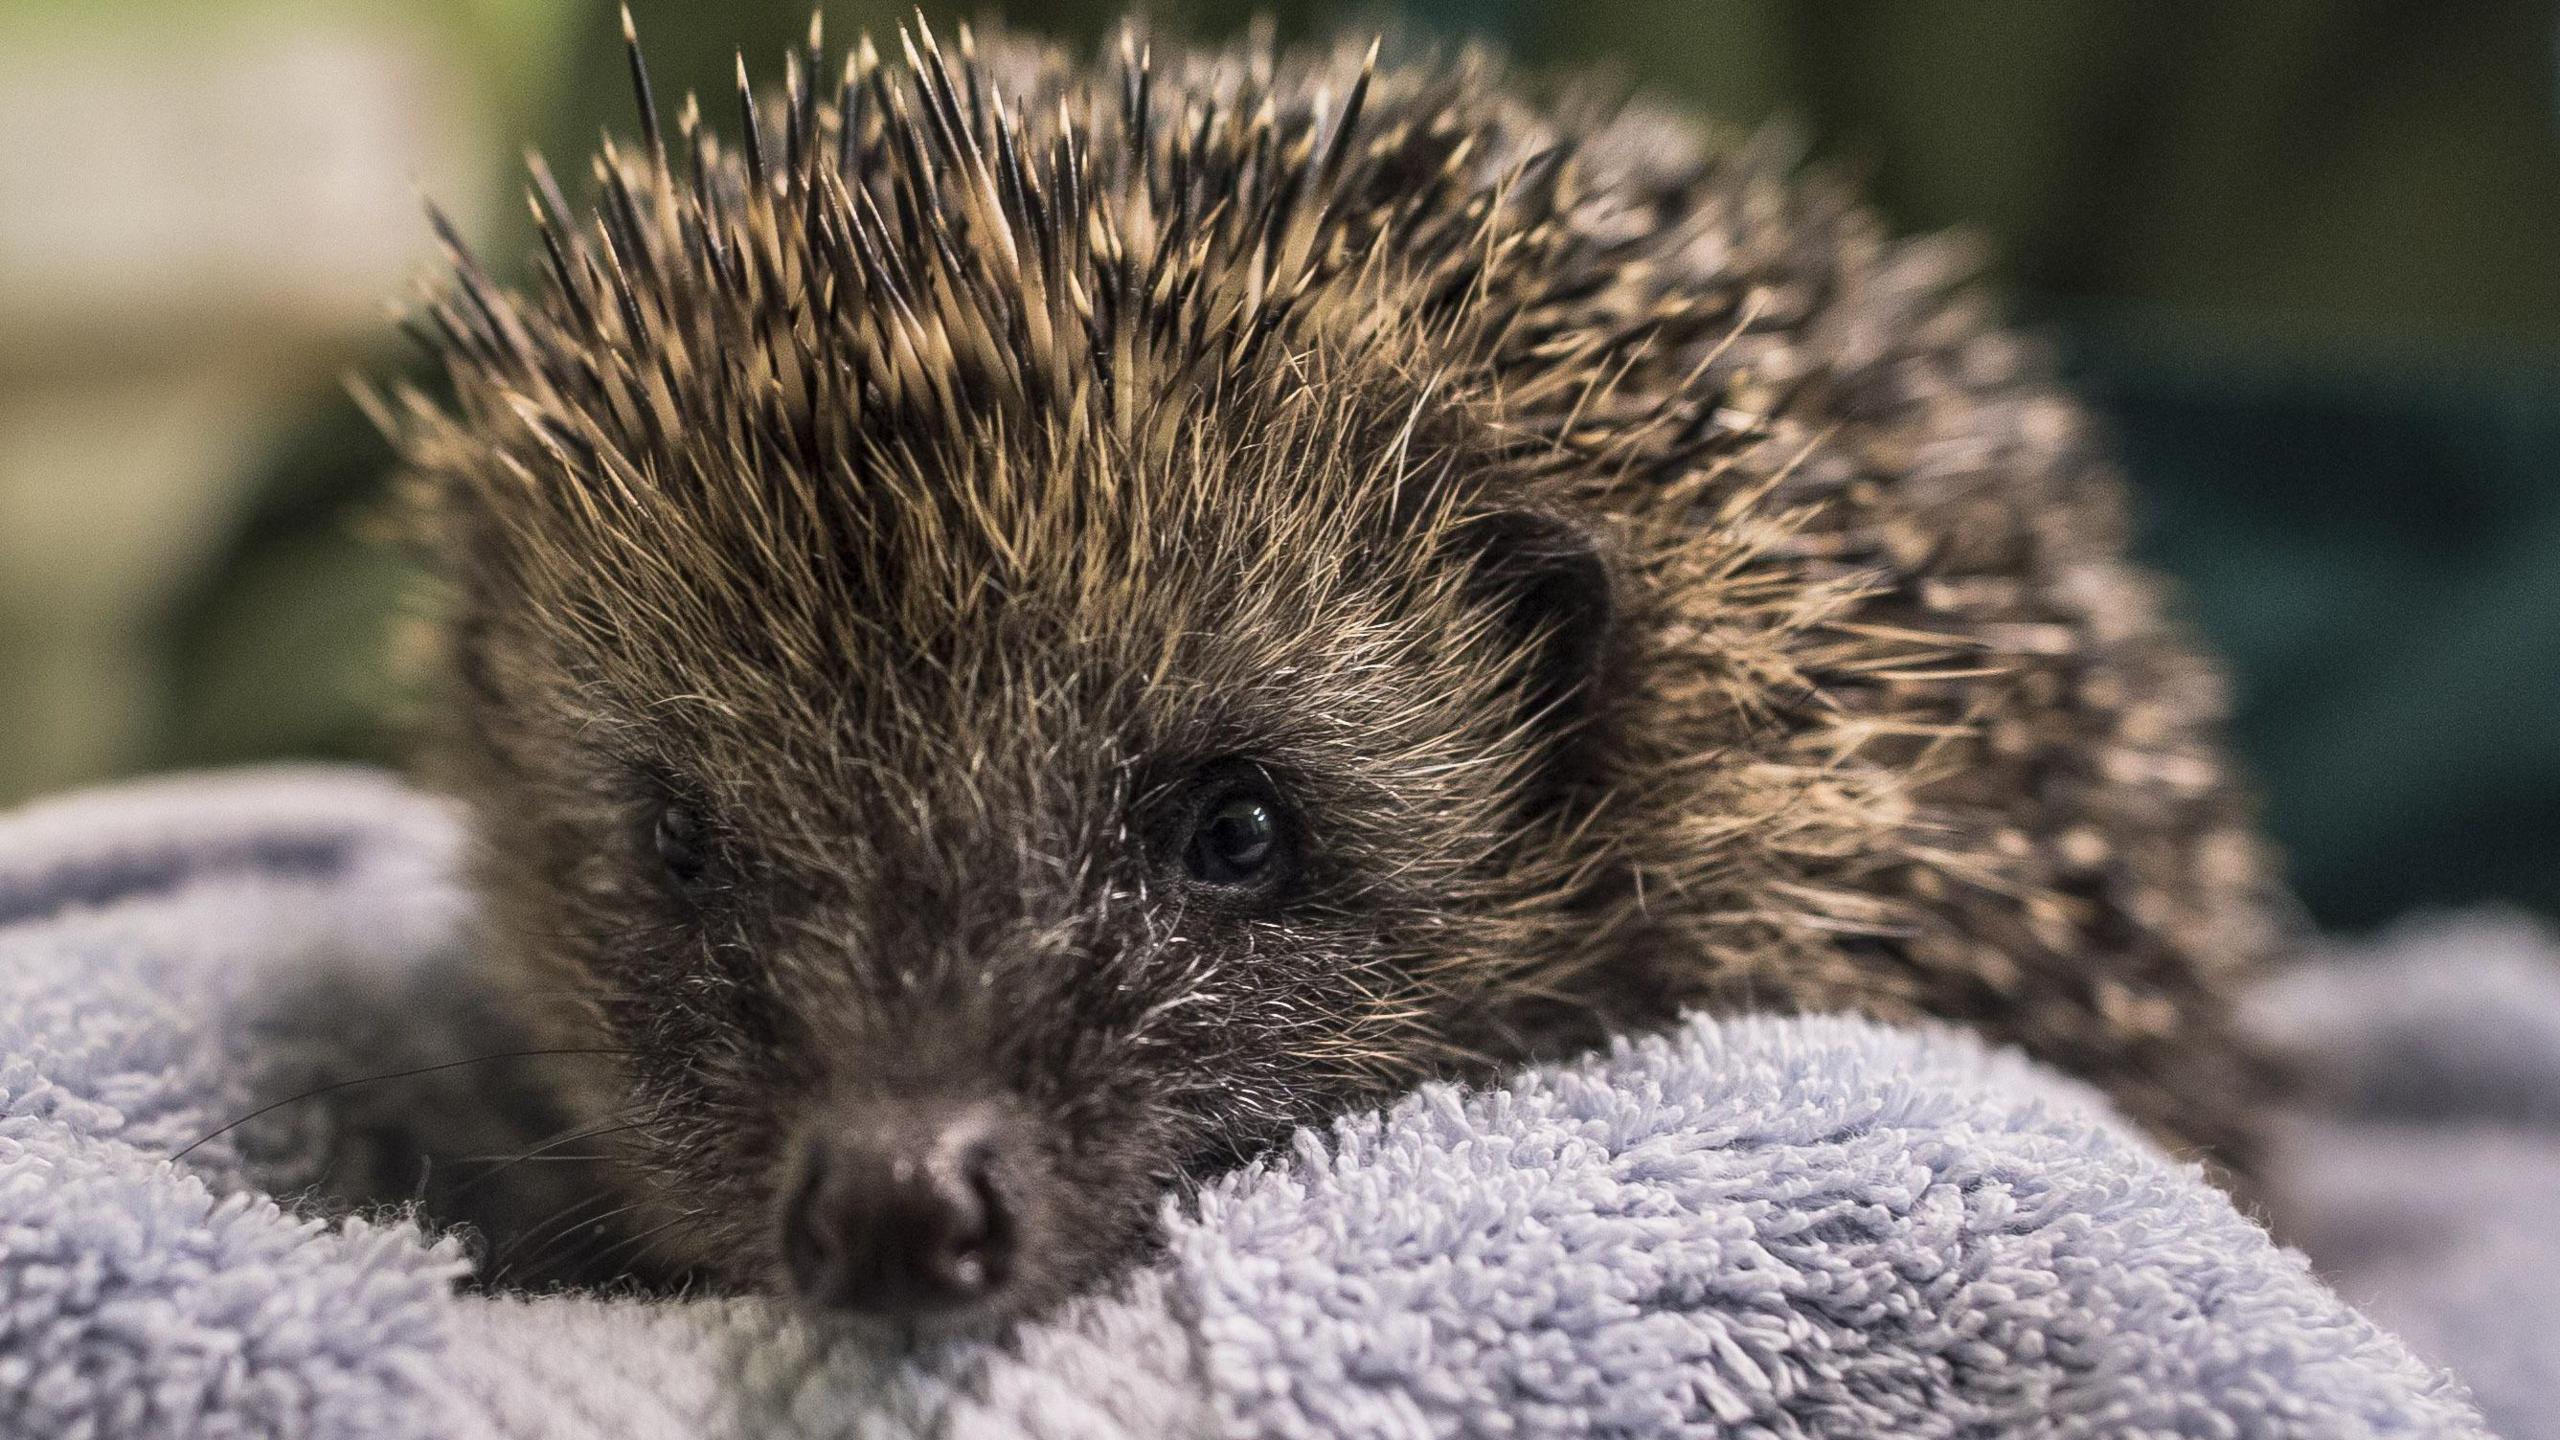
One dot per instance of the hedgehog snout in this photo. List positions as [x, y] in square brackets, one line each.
[902, 1209]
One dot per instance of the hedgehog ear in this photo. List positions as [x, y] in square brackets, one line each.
[1556, 590]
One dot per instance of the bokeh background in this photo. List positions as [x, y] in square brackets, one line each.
[2303, 254]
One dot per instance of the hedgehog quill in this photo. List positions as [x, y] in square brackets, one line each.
[1031, 626]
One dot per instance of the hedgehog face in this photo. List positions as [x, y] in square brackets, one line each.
[1078, 852]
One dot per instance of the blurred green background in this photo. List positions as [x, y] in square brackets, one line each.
[2304, 254]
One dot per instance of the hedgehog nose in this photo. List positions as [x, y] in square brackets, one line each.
[895, 1213]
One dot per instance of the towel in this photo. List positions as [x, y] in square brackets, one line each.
[1779, 1227]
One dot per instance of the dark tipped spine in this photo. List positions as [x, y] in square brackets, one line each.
[751, 137]
[565, 276]
[1338, 148]
[641, 92]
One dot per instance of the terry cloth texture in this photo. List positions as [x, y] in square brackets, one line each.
[1755, 1227]
[2429, 1184]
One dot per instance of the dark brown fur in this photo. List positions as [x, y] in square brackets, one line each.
[1652, 585]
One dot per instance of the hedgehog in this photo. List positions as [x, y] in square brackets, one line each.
[1031, 626]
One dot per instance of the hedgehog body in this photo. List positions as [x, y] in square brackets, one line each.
[1111, 611]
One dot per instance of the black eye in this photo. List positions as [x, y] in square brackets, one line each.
[1239, 838]
[681, 843]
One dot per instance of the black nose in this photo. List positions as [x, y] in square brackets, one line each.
[894, 1211]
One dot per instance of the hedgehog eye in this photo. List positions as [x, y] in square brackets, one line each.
[1240, 835]
[682, 845]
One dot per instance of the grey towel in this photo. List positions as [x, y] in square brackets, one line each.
[1813, 1227]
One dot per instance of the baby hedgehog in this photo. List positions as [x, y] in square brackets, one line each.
[1031, 627]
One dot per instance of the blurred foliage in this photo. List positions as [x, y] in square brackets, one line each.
[2302, 252]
